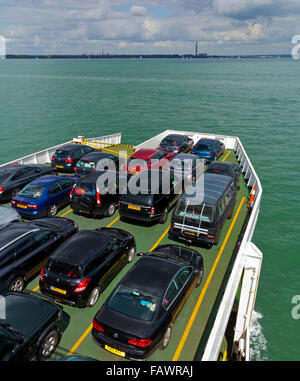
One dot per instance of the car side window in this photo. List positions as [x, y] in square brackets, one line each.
[183, 276]
[24, 172]
[42, 237]
[227, 196]
[221, 207]
[171, 294]
[24, 247]
[7, 257]
[54, 189]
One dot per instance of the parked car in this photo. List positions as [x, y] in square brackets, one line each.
[209, 149]
[44, 196]
[176, 143]
[8, 215]
[225, 168]
[152, 202]
[148, 159]
[198, 218]
[90, 162]
[32, 327]
[77, 276]
[187, 166]
[66, 157]
[25, 248]
[13, 177]
[89, 199]
[139, 314]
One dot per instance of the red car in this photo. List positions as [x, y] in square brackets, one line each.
[148, 158]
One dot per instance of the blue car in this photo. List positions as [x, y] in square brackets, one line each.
[44, 196]
[208, 149]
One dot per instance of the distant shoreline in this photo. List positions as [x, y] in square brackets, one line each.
[139, 56]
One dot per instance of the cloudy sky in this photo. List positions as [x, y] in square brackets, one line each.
[149, 26]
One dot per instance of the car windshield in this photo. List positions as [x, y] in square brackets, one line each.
[133, 303]
[187, 210]
[32, 191]
[137, 162]
[66, 270]
[203, 147]
[86, 164]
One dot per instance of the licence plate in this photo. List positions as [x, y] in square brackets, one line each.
[59, 166]
[189, 233]
[58, 290]
[115, 351]
[22, 206]
[134, 207]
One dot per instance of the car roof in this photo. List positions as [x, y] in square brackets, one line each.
[205, 140]
[11, 168]
[221, 164]
[13, 231]
[71, 252]
[93, 176]
[185, 156]
[144, 153]
[68, 147]
[173, 136]
[97, 156]
[213, 187]
[151, 274]
[48, 180]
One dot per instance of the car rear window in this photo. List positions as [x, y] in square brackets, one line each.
[61, 153]
[168, 142]
[86, 164]
[187, 210]
[32, 191]
[133, 303]
[85, 189]
[203, 147]
[66, 270]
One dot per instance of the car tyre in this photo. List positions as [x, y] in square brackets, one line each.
[93, 297]
[110, 211]
[167, 337]
[48, 345]
[52, 211]
[18, 284]
[130, 254]
[164, 216]
[200, 277]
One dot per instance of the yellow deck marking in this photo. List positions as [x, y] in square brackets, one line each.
[36, 288]
[115, 220]
[226, 156]
[160, 238]
[66, 213]
[200, 299]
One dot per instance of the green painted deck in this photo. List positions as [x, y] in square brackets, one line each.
[193, 320]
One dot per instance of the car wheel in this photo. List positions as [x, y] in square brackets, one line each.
[130, 254]
[52, 211]
[110, 210]
[48, 345]
[167, 337]
[17, 284]
[15, 192]
[200, 277]
[164, 216]
[93, 297]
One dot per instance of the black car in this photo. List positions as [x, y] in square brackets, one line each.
[96, 161]
[176, 143]
[66, 157]
[31, 329]
[158, 192]
[77, 276]
[26, 247]
[13, 177]
[139, 315]
[88, 198]
[225, 168]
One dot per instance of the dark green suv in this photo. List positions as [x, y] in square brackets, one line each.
[32, 334]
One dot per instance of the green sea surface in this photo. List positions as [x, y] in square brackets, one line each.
[47, 102]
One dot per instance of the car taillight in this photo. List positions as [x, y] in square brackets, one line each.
[72, 190]
[98, 197]
[82, 285]
[2, 189]
[152, 212]
[210, 153]
[13, 202]
[140, 342]
[42, 274]
[97, 326]
[29, 206]
[75, 169]
[52, 158]
[69, 160]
